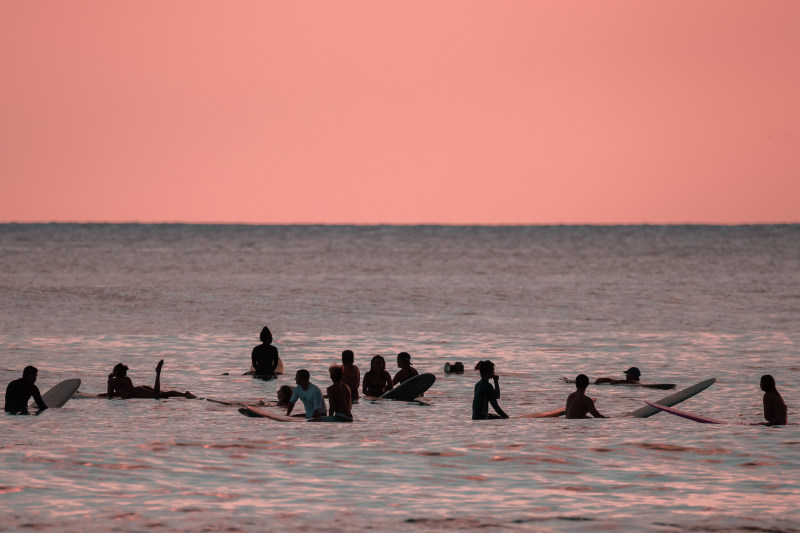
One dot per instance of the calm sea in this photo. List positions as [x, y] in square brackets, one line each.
[683, 303]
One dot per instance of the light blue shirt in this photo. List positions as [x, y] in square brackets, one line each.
[311, 397]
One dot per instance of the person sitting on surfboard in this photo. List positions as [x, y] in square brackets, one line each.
[265, 355]
[339, 400]
[351, 375]
[578, 404]
[485, 394]
[120, 385]
[309, 394]
[19, 392]
[377, 380]
[632, 375]
[774, 406]
[406, 370]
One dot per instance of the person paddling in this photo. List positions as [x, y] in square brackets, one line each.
[632, 376]
[120, 385]
[578, 404]
[265, 356]
[20, 391]
[774, 406]
[406, 370]
[309, 394]
[485, 394]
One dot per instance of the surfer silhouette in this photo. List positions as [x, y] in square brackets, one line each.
[578, 404]
[265, 355]
[632, 375]
[377, 380]
[486, 394]
[774, 406]
[351, 375]
[120, 385]
[339, 400]
[406, 370]
[20, 391]
[284, 395]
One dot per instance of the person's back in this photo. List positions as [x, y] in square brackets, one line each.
[21, 390]
[351, 375]
[264, 357]
[339, 400]
[775, 411]
[578, 404]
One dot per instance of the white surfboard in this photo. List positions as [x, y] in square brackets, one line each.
[410, 389]
[60, 394]
[673, 399]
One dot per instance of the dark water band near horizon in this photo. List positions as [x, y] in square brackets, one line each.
[683, 303]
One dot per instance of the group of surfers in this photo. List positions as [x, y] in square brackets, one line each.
[345, 384]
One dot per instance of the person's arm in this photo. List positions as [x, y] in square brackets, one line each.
[365, 386]
[496, 387]
[396, 378]
[497, 408]
[388, 385]
[110, 386]
[593, 410]
[37, 397]
[289, 409]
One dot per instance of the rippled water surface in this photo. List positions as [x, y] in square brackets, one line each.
[681, 303]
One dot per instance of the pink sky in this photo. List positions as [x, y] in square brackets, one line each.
[456, 112]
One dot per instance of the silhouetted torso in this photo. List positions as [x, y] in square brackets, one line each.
[19, 393]
[351, 376]
[339, 400]
[485, 394]
[774, 408]
[404, 374]
[377, 384]
[265, 359]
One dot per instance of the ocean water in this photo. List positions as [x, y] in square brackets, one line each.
[683, 303]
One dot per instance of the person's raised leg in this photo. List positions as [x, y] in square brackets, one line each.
[157, 385]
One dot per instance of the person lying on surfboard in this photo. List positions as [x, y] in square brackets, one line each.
[120, 385]
[265, 356]
[578, 404]
[632, 375]
[284, 395]
[406, 370]
[377, 380]
[20, 391]
[309, 394]
[774, 406]
[351, 375]
[339, 400]
[485, 394]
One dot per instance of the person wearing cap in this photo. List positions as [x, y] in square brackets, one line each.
[20, 391]
[265, 356]
[406, 370]
[774, 406]
[121, 386]
[632, 375]
[486, 394]
[578, 404]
